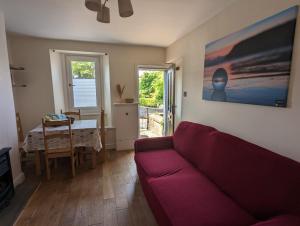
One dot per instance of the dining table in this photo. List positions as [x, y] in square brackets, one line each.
[85, 133]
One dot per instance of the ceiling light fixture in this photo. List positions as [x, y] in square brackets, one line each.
[103, 15]
[103, 12]
[93, 5]
[125, 8]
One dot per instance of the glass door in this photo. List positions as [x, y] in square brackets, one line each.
[151, 102]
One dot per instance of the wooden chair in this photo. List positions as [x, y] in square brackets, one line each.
[24, 157]
[76, 114]
[52, 153]
[19, 129]
[83, 153]
[30, 155]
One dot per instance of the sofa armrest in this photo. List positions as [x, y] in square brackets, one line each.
[158, 143]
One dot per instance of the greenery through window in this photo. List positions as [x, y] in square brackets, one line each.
[83, 82]
[151, 88]
[83, 69]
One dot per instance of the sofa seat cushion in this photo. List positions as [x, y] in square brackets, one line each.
[160, 162]
[188, 198]
[284, 220]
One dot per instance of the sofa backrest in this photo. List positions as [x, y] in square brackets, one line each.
[262, 182]
[191, 139]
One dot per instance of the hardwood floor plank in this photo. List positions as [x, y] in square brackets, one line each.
[124, 218]
[109, 195]
[110, 214]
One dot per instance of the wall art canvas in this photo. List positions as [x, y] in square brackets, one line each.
[252, 66]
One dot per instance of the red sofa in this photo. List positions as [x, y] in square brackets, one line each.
[203, 177]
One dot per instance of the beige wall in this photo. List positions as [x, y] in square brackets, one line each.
[274, 128]
[57, 81]
[8, 130]
[33, 53]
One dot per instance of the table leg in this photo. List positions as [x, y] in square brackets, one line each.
[37, 163]
[94, 158]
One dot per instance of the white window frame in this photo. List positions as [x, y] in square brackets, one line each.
[97, 60]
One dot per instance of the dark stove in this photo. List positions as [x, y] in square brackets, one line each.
[6, 181]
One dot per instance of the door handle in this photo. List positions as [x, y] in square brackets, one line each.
[173, 109]
[70, 85]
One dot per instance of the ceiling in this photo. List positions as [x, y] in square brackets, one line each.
[154, 23]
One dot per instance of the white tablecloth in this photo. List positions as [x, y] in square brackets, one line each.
[85, 133]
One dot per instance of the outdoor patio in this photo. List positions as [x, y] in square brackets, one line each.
[151, 122]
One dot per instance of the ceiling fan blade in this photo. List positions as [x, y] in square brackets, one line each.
[93, 5]
[125, 8]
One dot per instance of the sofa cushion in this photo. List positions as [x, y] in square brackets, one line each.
[154, 143]
[160, 162]
[189, 199]
[190, 138]
[260, 181]
[284, 220]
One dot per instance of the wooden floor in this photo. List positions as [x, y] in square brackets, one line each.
[109, 195]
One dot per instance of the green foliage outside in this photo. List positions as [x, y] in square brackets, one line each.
[151, 88]
[83, 70]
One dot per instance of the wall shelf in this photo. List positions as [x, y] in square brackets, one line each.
[16, 68]
[121, 103]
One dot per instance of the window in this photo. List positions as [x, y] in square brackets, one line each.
[83, 82]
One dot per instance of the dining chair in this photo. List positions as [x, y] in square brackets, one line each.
[64, 137]
[76, 114]
[83, 153]
[19, 128]
[20, 138]
[24, 156]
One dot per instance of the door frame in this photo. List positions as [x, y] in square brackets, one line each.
[178, 89]
[170, 108]
[164, 68]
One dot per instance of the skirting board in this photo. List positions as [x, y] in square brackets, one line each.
[19, 179]
[125, 144]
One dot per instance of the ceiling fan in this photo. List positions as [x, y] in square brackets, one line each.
[103, 12]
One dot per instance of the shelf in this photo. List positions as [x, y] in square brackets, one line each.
[135, 103]
[16, 68]
[19, 86]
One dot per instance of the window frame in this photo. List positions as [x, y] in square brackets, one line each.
[69, 80]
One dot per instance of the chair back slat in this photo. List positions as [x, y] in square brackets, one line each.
[72, 113]
[56, 123]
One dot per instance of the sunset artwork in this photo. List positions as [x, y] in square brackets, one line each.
[252, 66]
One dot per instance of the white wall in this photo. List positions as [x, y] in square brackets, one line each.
[57, 81]
[8, 130]
[33, 53]
[106, 97]
[274, 128]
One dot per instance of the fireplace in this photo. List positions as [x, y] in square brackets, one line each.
[6, 181]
